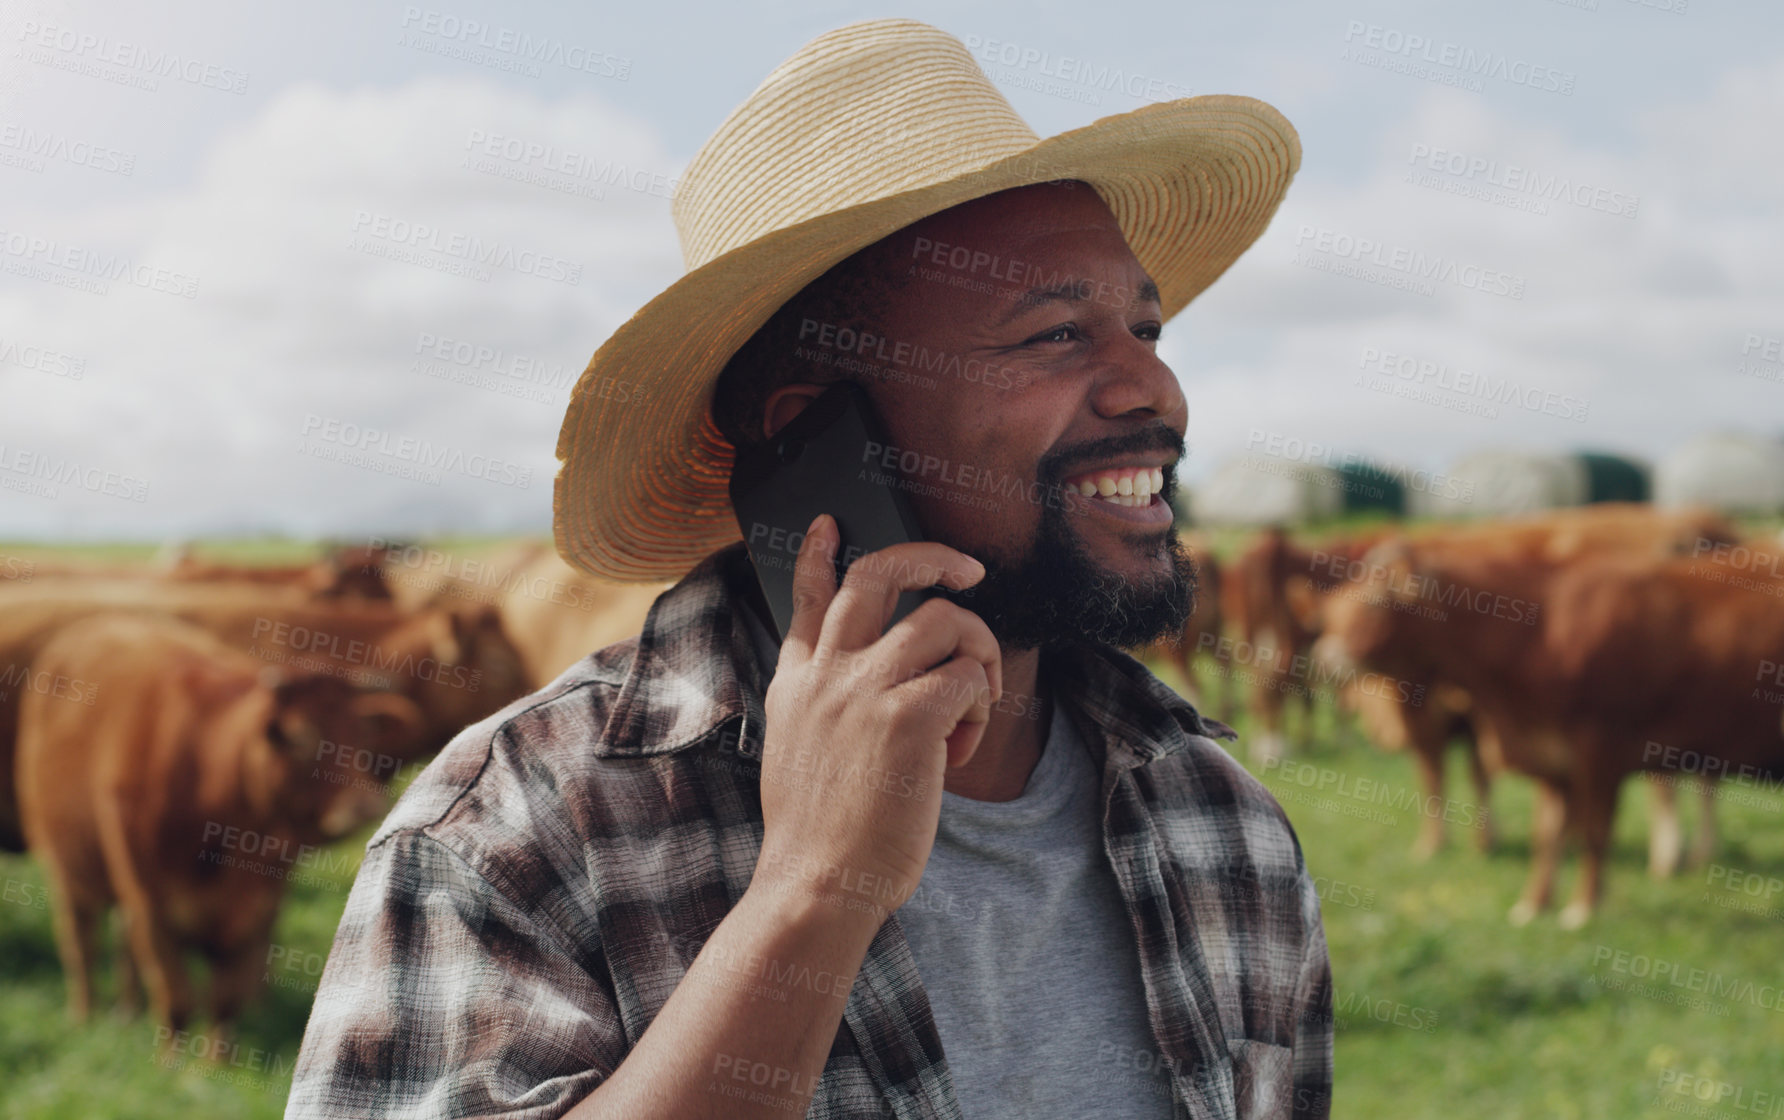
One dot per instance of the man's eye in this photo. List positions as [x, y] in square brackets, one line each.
[1150, 332]
[1065, 332]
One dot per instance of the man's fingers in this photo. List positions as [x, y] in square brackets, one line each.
[869, 592]
[933, 633]
[959, 694]
[814, 586]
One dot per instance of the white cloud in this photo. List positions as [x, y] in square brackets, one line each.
[207, 398]
[1639, 319]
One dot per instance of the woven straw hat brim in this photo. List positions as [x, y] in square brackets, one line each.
[642, 492]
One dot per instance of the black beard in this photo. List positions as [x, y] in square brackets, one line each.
[1056, 593]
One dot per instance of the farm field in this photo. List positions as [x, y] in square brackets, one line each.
[1443, 1008]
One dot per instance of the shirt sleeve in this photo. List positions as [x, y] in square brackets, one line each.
[442, 998]
[1314, 1025]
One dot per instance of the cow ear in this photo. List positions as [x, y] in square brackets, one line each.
[393, 722]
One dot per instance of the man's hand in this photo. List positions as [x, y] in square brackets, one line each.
[862, 724]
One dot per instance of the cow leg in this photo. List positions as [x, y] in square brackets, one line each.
[162, 971]
[235, 979]
[1186, 668]
[129, 982]
[77, 941]
[1267, 745]
[1703, 845]
[1430, 762]
[78, 900]
[1597, 803]
[1178, 655]
[1547, 826]
[1310, 705]
[1483, 792]
[1266, 701]
[1300, 698]
[1663, 827]
[1223, 676]
[1204, 697]
[1294, 701]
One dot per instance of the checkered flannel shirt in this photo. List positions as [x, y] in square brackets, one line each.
[541, 888]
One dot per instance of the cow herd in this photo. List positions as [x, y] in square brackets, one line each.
[1574, 648]
[178, 740]
[175, 738]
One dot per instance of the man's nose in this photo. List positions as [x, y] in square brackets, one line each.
[1135, 380]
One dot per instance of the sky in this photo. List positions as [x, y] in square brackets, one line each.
[1606, 197]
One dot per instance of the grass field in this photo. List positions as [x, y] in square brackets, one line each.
[1444, 1010]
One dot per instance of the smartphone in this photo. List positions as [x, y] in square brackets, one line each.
[828, 459]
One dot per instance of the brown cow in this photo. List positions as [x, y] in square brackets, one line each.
[1494, 621]
[346, 572]
[1557, 536]
[554, 614]
[1549, 540]
[1664, 662]
[1201, 633]
[420, 575]
[559, 615]
[457, 666]
[1717, 549]
[1417, 612]
[1442, 715]
[149, 776]
[1666, 837]
[1256, 601]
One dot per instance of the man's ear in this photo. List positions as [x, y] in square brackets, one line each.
[787, 402]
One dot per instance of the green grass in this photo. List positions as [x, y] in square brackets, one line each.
[1227, 541]
[1520, 1024]
[240, 550]
[108, 1068]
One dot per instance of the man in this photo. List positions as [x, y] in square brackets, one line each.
[979, 863]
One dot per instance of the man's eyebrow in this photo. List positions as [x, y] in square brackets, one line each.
[1069, 292]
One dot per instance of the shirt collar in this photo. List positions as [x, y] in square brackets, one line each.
[696, 668]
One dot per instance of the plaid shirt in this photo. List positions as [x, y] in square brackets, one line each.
[541, 888]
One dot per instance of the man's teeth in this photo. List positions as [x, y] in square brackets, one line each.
[1124, 488]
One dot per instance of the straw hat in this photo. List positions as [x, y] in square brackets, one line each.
[862, 132]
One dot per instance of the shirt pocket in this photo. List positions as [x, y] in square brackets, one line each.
[1263, 1079]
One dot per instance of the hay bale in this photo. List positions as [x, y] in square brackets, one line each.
[1257, 489]
[1729, 471]
[1505, 484]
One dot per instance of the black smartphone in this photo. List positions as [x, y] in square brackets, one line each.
[828, 459]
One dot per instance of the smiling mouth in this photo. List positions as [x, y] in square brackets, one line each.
[1133, 487]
